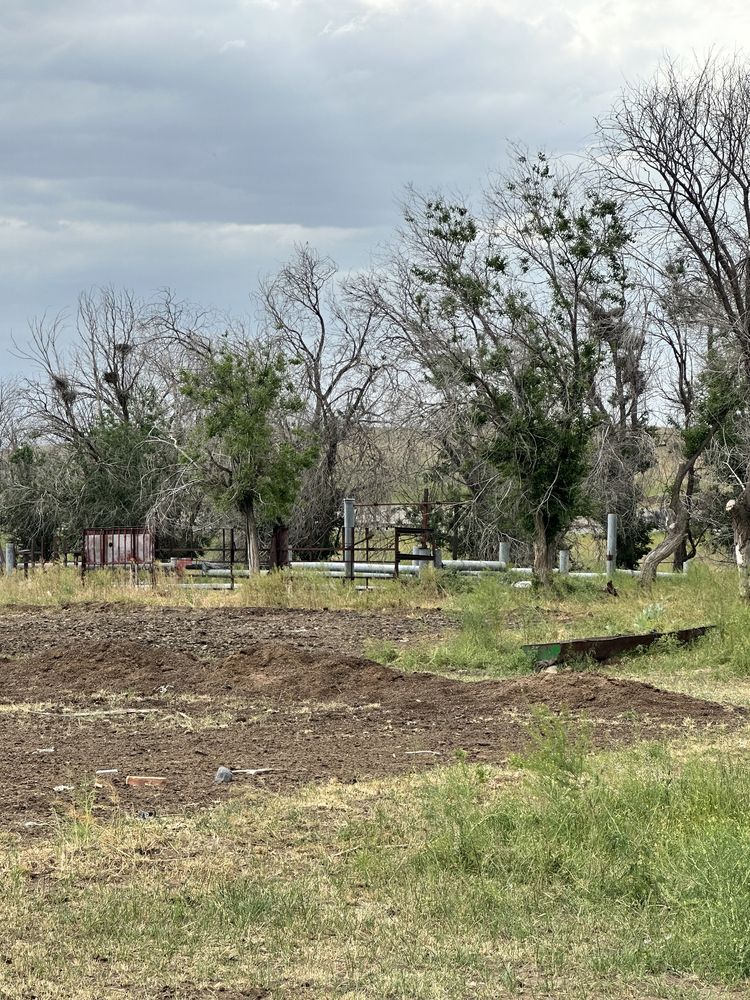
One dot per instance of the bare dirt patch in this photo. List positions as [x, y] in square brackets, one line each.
[302, 712]
[211, 632]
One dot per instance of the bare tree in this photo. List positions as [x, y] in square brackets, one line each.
[102, 395]
[333, 340]
[680, 144]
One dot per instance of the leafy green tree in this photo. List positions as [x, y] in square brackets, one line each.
[248, 452]
[501, 312]
[121, 468]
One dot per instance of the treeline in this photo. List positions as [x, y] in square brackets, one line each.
[575, 341]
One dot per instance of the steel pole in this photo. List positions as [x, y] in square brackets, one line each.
[349, 538]
[611, 544]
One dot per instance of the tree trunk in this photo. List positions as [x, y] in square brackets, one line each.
[677, 532]
[680, 557]
[251, 539]
[544, 552]
[681, 554]
[740, 512]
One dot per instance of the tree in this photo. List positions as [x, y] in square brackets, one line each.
[679, 144]
[340, 376]
[96, 420]
[497, 312]
[247, 450]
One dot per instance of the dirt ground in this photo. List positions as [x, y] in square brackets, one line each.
[178, 693]
[211, 632]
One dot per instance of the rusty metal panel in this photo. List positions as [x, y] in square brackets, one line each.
[602, 647]
[105, 547]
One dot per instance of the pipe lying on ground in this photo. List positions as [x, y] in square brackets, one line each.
[386, 570]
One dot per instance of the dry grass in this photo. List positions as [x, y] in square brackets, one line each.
[618, 876]
[435, 887]
[58, 586]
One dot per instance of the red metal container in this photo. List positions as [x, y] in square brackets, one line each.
[118, 547]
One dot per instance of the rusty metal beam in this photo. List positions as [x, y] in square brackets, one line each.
[602, 647]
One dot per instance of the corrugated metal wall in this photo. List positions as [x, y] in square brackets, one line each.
[117, 546]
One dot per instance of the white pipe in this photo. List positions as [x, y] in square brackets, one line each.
[359, 567]
[611, 545]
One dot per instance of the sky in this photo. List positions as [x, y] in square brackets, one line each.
[190, 144]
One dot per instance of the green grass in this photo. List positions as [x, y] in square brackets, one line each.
[495, 620]
[570, 875]
[574, 876]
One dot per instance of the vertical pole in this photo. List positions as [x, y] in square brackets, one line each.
[425, 517]
[454, 541]
[223, 545]
[10, 558]
[504, 554]
[420, 550]
[283, 551]
[273, 555]
[231, 558]
[611, 544]
[348, 538]
[563, 557]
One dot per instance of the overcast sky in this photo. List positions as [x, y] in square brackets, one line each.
[191, 143]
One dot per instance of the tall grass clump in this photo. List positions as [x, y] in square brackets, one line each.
[639, 869]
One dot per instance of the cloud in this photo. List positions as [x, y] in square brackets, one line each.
[233, 45]
[137, 149]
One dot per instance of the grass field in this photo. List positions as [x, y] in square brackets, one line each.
[566, 873]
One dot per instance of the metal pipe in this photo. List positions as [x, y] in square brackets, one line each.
[349, 538]
[357, 567]
[421, 564]
[611, 545]
[504, 554]
[479, 564]
[563, 562]
[10, 558]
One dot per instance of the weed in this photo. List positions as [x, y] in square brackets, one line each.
[558, 747]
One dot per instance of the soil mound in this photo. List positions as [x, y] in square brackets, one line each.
[290, 675]
[269, 671]
[86, 667]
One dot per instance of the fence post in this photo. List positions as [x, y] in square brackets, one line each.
[348, 538]
[611, 544]
[563, 561]
[231, 558]
[504, 554]
[421, 564]
[10, 558]
[454, 539]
